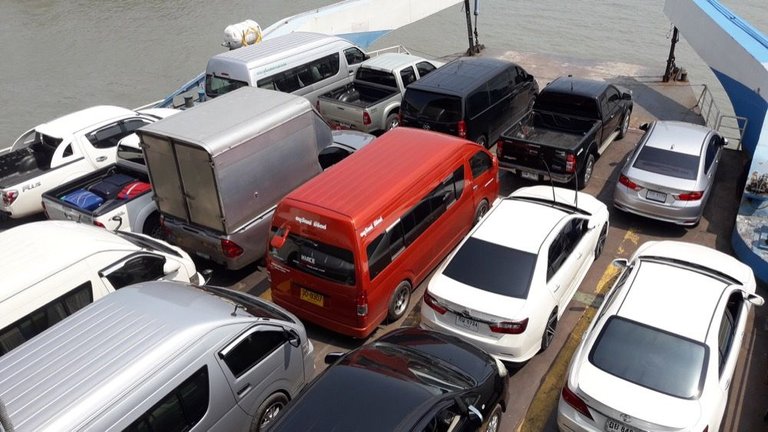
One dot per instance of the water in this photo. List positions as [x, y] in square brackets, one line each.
[59, 56]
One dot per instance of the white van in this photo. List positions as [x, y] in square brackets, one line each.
[305, 64]
[52, 269]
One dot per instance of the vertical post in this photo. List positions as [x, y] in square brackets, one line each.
[471, 50]
[671, 59]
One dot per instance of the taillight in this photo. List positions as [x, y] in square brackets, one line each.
[362, 304]
[366, 118]
[10, 196]
[499, 146]
[98, 224]
[689, 196]
[462, 129]
[628, 183]
[432, 302]
[570, 163]
[576, 402]
[509, 327]
[231, 249]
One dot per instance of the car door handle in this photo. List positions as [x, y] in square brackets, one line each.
[579, 255]
[557, 287]
[101, 159]
[243, 391]
[474, 187]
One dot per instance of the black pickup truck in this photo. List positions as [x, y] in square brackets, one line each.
[572, 122]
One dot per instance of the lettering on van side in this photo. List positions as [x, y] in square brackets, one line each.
[271, 68]
[310, 222]
[371, 226]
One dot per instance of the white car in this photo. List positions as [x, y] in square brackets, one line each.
[661, 352]
[507, 284]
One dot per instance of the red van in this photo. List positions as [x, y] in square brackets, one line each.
[349, 245]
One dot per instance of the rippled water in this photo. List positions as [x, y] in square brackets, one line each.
[59, 56]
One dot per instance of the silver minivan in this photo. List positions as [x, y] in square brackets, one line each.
[159, 356]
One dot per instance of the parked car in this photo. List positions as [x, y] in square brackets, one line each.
[507, 284]
[64, 149]
[345, 142]
[572, 123]
[472, 97]
[51, 269]
[408, 380]
[671, 173]
[371, 102]
[159, 356]
[661, 351]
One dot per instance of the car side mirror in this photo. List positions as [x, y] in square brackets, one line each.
[724, 142]
[475, 416]
[333, 357]
[278, 240]
[621, 263]
[645, 126]
[292, 337]
[755, 299]
[171, 267]
[626, 96]
[207, 275]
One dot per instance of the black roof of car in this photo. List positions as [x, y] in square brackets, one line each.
[386, 385]
[461, 76]
[576, 86]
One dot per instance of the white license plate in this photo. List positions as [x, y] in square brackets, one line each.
[467, 323]
[528, 175]
[656, 196]
[612, 425]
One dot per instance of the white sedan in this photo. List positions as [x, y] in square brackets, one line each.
[662, 349]
[509, 281]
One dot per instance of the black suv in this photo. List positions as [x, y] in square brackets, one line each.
[474, 98]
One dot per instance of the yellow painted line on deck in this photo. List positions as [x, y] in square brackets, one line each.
[545, 400]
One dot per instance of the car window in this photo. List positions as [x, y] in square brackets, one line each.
[378, 77]
[480, 163]
[565, 242]
[446, 419]
[711, 152]
[137, 269]
[252, 349]
[725, 337]
[408, 75]
[354, 56]
[431, 106]
[332, 155]
[317, 258]
[424, 68]
[498, 87]
[613, 293]
[180, 410]
[132, 124]
[106, 137]
[667, 162]
[650, 357]
[478, 101]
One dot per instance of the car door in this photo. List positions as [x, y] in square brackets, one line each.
[731, 328]
[103, 141]
[610, 105]
[259, 362]
[566, 257]
[423, 68]
[711, 161]
[481, 165]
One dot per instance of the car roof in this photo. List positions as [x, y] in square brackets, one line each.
[79, 120]
[461, 76]
[576, 86]
[280, 47]
[677, 136]
[499, 228]
[107, 350]
[391, 61]
[50, 246]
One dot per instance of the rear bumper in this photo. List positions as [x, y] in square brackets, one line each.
[540, 174]
[207, 244]
[292, 305]
[627, 200]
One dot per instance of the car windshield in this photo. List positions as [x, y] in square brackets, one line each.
[650, 357]
[147, 243]
[493, 268]
[254, 307]
[668, 163]
[431, 106]
[217, 86]
[317, 258]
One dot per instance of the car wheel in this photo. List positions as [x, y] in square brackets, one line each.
[481, 211]
[494, 420]
[586, 173]
[624, 125]
[268, 411]
[398, 303]
[483, 141]
[152, 226]
[549, 330]
[392, 121]
[601, 241]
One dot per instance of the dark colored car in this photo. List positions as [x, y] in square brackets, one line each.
[408, 380]
[474, 98]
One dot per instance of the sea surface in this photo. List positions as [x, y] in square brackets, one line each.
[59, 56]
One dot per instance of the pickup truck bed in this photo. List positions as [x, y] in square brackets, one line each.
[19, 166]
[552, 129]
[359, 94]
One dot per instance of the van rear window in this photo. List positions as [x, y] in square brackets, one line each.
[316, 258]
[217, 86]
[431, 106]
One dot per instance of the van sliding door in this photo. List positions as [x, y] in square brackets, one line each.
[199, 182]
[166, 183]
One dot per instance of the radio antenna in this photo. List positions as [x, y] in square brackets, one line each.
[551, 183]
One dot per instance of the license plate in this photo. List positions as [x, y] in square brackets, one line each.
[656, 196]
[612, 425]
[467, 323]
[528, 175]
[312, 297]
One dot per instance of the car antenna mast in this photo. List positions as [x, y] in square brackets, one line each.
[552, 183]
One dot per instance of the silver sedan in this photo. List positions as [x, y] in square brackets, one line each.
[669, 175]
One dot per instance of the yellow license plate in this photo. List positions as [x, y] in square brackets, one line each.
[312, 297]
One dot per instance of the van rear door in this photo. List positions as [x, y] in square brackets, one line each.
[431, 111]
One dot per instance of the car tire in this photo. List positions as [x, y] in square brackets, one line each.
[624, 125]
[549, 330]
[268, 411]
[483, 141]
[601, 241]
[482, 210]
[391, 122]
[398, 303]
[152, 226]
[585, 174]
[494, 420]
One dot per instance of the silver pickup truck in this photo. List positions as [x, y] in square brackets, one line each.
[372, 101]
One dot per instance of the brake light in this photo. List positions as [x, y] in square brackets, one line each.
[231, 249]
[576, 402]
[509, 327]
[362, 304]
[628, 183]
[10, 196]
[462, 129]
[98, 224]
[432, 302]
[689, 196]
[570, 163]
[499, 147]
[366, 118]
